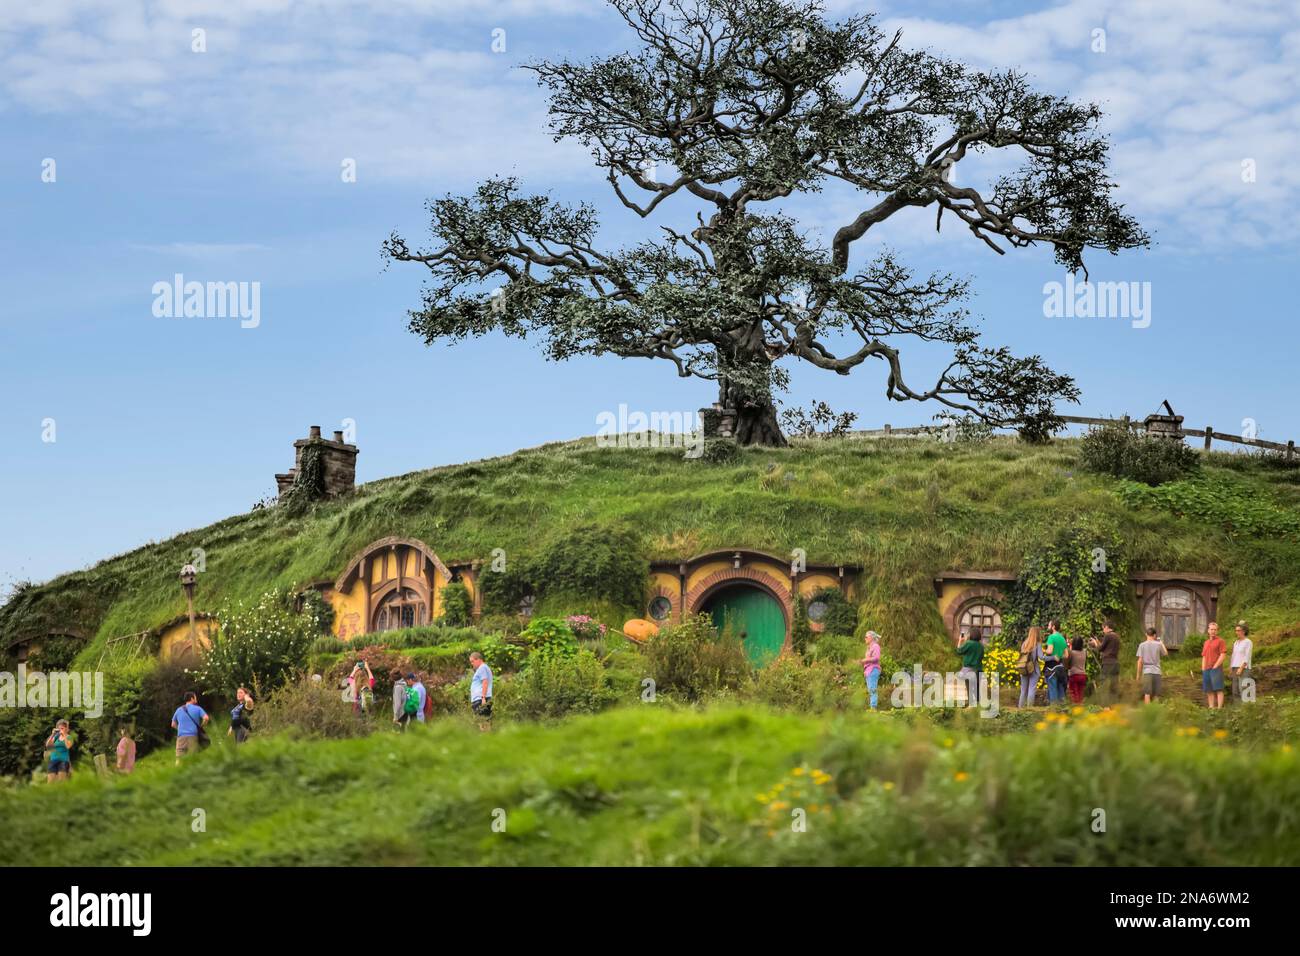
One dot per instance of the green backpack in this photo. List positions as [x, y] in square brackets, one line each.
[412, 705]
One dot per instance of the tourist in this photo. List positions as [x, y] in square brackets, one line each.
[871, 666]
[239, 722]
[361, 683]
[1078, 677]
[1031, 656]
[1242, 649]
[60, 745]
[188, 723]
[1213, 653]
[971, 652]
[1055, 662]
[1148, 665]
[401, 716]
[1108, 649]
[480, 689]
[126, 752]
[422, 695]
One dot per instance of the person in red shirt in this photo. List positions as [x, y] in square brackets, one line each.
[1213, 652]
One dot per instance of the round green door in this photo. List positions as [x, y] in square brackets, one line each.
[755, 617]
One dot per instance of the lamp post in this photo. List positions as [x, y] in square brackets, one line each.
[189, 574]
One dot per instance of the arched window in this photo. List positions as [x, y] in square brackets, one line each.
[401, 609]
[1175, 611]
[980, 618]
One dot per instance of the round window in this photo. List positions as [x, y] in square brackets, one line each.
[817, 610]
[660, 608]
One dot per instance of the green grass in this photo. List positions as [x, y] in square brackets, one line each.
[904, 509]
[658, 785]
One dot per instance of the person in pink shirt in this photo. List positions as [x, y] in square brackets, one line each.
[871, 665]
[126, 752]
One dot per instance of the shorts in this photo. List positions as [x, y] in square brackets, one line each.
[60, 766]
[482, 708]
[1151, 685]
[1212, 680]
[185, 745]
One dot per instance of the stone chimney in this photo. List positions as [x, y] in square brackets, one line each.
[1168, 424]
[338, 462]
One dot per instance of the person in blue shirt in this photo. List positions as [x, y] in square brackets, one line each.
[480, 688]
[188, 721]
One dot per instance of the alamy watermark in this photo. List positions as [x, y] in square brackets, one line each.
[1098, 300]
[179, 299]
[635, 429]
[77, 690]
[945, 689]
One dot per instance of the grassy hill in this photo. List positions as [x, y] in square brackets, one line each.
[660, 785]
[904, 509]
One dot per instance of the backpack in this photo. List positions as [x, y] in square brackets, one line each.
[412, 705]
[1026, 663]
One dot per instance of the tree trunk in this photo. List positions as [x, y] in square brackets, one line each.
[756, 422]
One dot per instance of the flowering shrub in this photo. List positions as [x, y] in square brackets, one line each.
[805, 789]
[263, 643]
[584, 628]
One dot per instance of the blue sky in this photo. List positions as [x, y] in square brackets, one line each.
[225, 166]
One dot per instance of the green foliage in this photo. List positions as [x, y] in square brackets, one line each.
[264, 643]
[1239, 508]
[841, 617]
[836, 649]
[693, 660]
[457, 605]
[308, 484]
[1080, 579]
[500, 654]
[801, 633]
[818, 421]
[327, 645]
[599, 562]
[1118, 451]
[790, 684]
[549, 638]
[318, 611]
[659, 786]
[720, 451]
[314, 709]
[555, 686]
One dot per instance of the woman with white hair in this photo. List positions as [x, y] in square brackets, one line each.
[871, 665]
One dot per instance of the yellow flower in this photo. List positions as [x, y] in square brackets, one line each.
[780, 805]
[797, 772]
[1286, 748]
[947, 741]
[1076, 710]
[1193, 731]
[961, 776]
[889, 784]
[1041, 725]
[1220, 735]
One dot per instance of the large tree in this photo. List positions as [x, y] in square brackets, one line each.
[731, 106]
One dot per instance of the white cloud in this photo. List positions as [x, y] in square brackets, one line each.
[1190, 87]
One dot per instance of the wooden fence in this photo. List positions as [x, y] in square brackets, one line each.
[1209, 434]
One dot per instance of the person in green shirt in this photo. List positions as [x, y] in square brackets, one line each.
[971, 651]
[1054, 658]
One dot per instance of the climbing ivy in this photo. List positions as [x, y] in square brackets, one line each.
[308, 483]
[1080, 579]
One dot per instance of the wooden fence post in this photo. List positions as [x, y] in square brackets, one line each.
[1209, 436]
[1290, 449]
